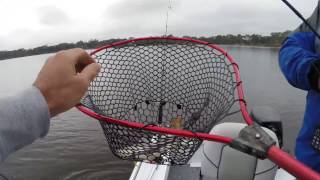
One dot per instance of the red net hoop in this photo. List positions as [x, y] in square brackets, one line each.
[158, 97]
[162, 83]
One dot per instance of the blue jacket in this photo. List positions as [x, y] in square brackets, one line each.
[296, 57]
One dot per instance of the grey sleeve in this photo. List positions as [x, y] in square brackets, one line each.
[23, 118]
[313, 20]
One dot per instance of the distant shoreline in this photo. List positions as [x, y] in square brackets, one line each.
[249, 46]
[225, 45]
[273, 41]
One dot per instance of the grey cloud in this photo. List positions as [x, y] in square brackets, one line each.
[52, 16]
[143, 17]
[135, 18]
[129, 8]
[234, 18]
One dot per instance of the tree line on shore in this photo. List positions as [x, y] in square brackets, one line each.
[273, 40]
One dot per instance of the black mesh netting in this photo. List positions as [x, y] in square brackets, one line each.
[170, 83]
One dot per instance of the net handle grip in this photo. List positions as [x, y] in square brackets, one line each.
[291, 165]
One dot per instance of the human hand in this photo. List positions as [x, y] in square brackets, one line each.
[65, 78]
[314, 76]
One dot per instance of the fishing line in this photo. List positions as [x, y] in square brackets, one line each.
[3, 176]
[167, 17]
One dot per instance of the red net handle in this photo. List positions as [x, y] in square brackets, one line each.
[290, 164]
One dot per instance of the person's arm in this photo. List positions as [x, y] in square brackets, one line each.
[61, 83]
[297, 59]
[24, 117]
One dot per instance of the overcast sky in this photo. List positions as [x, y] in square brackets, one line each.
[27, 24]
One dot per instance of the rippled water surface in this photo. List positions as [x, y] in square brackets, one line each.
[75, 147]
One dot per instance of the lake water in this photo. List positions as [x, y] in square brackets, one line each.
[75, 147]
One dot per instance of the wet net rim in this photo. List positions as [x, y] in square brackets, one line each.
[164, 130]
[281, 158]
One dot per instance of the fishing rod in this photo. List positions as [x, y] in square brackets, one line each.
[301, 17]
[308, 25]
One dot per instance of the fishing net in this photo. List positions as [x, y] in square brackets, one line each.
[172, 83]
